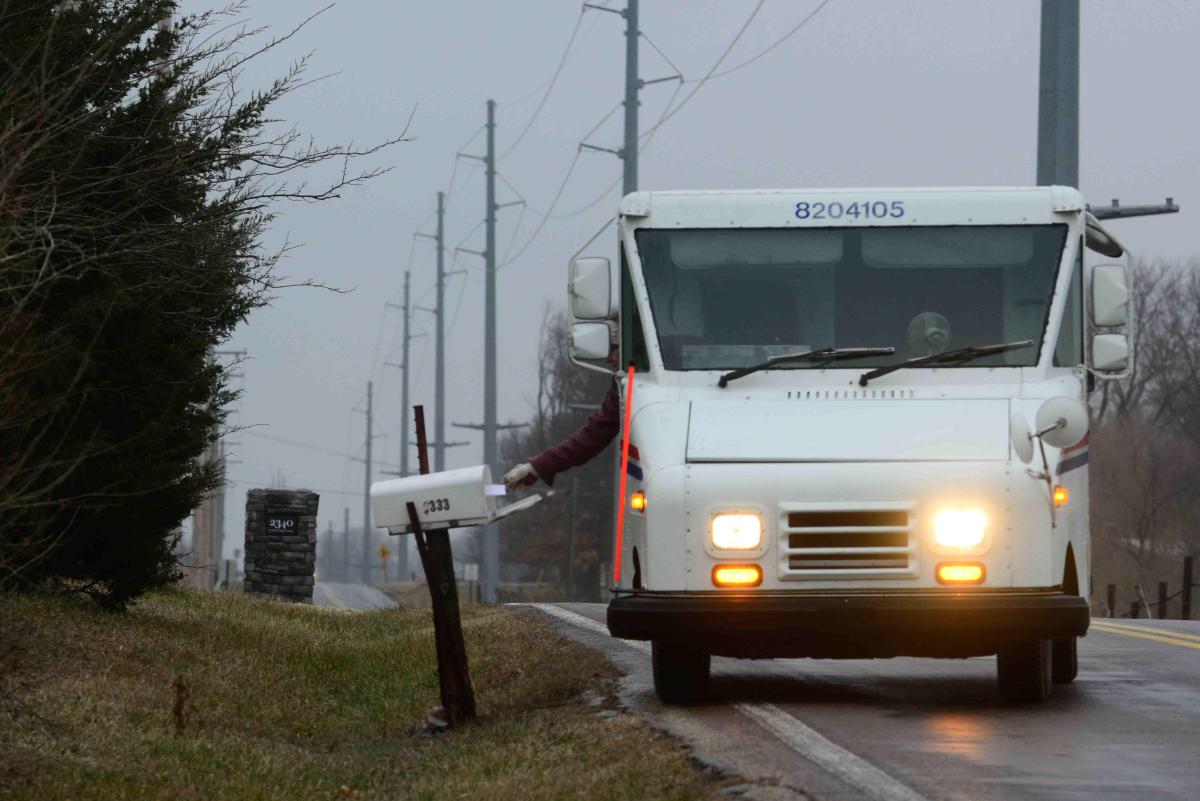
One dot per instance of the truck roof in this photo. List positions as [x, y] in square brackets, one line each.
[852, 206]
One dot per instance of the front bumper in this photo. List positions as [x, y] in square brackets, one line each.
[860, 625]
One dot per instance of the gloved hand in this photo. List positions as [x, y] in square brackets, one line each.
[523, 475]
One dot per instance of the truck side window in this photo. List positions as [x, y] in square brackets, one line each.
[1068, 351]
[633, 338]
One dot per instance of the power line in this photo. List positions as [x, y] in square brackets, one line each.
[246, 483]
[457, 158]
[773, 45]
[648, 135]
[712, 70]
[562, 62]
[658, 50]
[549, 213]
[305, 445]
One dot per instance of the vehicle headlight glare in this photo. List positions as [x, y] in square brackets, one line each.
[736, 532]
[959, 528]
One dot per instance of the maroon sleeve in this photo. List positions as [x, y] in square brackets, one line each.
[585, 444]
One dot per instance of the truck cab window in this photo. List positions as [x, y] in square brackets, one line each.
[728, 298]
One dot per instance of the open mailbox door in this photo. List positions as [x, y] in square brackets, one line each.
[450, 499]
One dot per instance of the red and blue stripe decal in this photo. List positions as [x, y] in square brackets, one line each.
[1073, 457]
[634, 467]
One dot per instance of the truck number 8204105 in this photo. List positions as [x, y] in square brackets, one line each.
[835, 210]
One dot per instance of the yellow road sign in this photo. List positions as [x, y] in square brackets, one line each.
[384, 552]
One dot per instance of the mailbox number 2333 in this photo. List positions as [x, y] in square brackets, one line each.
[436, 505]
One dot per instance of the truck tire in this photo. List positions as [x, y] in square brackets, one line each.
[1065, 660]
[1024, 671]
[680, 672]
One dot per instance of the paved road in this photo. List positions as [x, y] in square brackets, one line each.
[349, 596]
[911, 729]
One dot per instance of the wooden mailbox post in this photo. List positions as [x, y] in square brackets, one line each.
[454, 676]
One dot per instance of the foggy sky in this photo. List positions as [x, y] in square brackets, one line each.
[870, 93]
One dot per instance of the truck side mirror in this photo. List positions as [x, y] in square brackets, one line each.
[1110, 352]
[1110, 295]
[590, 289]
[590, 341]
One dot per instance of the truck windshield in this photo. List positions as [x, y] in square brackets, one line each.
[724, 298]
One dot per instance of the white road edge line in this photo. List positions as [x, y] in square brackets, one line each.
[582, 622]
[851, 769]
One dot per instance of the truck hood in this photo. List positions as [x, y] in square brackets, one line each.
[848, 431]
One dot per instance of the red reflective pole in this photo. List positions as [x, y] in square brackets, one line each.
[624, 478]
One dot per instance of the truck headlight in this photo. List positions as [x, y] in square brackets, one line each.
[739, 531]
[959, 528]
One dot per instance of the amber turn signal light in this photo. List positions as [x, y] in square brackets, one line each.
[1061, 496]
[960, 573]
[638, 501]
[737, 575]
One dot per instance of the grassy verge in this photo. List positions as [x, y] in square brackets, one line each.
[206, 695]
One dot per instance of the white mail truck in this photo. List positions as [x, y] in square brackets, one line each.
[858, 423]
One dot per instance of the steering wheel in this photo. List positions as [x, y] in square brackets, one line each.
[928, 334]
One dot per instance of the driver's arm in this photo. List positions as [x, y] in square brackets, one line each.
[586, 443]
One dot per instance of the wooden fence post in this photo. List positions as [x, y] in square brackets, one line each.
[1162, 600]
[454, 675]
[1111, 600]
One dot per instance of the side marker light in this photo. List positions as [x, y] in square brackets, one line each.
[638, 501]
[959, 573]
[1061, 496]
[737, 575]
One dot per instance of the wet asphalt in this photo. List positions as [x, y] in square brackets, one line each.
[910, 729]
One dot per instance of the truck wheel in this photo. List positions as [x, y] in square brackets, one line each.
[1065, 662]
[680, 672]
[1024, 671]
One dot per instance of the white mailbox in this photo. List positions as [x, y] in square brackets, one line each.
[450, 499]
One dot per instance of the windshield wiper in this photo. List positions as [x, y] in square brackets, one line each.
[831, 354]
[956, 356]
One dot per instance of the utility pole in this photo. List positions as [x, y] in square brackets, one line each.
[366, 535]
[439, 397]
[402, 546]
[346, 543]
[402, 365]
[491, 533]
[1058, 109]
[439, 312]
[490, 571]
[629, 153]
[404, 383]
[330, 549]
[1058, 95]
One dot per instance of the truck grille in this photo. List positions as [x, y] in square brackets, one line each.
[820, 541]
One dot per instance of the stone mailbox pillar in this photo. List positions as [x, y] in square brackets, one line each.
[281, 543]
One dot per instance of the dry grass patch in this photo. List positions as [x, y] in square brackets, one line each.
[205, 695]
